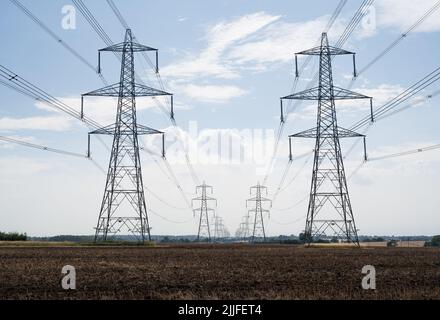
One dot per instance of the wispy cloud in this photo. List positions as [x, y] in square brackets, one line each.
[380, 94]
[278, 42]
[401, 14]
[102, 109]
[219, 38]
[211, 93]
[253, 42]
[53, 123]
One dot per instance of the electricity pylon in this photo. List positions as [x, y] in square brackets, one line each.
[204, 230]
[243, 229]
[124, 191]
[329, 212]
[258, 230]
[220, 230]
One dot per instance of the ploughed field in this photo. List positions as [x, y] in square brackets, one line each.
[219, 272]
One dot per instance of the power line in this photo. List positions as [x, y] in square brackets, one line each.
[280, 187]
[30, 93]
[406, 153]
[93, 22]
[106, 39]
[104, 36]
[15, 82]
[163, 201]
[167, 219]
[41, 147]
[354, 22]
[99, 30]
[23, 86]
[28, 13]
[118, 14]
[409, 105]
[420, 85]
[363, 163]
[74, 154]
[292, 105]
[297, 174]
[401, 37]
[125, 25]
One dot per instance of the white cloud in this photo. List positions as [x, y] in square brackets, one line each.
[408, 160]
[380, 94]
[402, 14]
[278, 42]
[54, 123]
[219, 38]
[8, 145]
[103, 109]
[13, 166]
[212, 93]
[253, 42]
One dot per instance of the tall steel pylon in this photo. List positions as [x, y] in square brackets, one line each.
[123, 205]
[329, 212]
[258, 211]
[204, 229]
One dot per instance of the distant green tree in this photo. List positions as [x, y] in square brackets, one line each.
[305, 237]
[435, 241]
[13, 236]
[165, 239]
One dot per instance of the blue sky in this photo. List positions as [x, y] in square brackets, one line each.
[227, 63]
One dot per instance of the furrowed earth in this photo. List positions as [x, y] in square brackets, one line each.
[237, 271]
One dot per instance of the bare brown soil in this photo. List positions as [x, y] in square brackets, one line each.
[219, 272]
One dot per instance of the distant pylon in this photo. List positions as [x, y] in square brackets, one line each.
[243, 229]
[204, 230]
[258, 230]
[329, 212]
[123, 205]
[220, 231]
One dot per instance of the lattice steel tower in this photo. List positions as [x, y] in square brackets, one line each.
[329, 212]
[243, 228]
[258, 211]
[123, 206]
[220, 230]
[204, 230]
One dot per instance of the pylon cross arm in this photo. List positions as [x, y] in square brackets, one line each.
[200, 210]
[204, 198]
[319, 94]
[346, 133]
[313, 133]
[124, 46]
[111, 130]
[309, 133]
[139, 91]
[259, 210]
[330, 50]
[258, 199]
